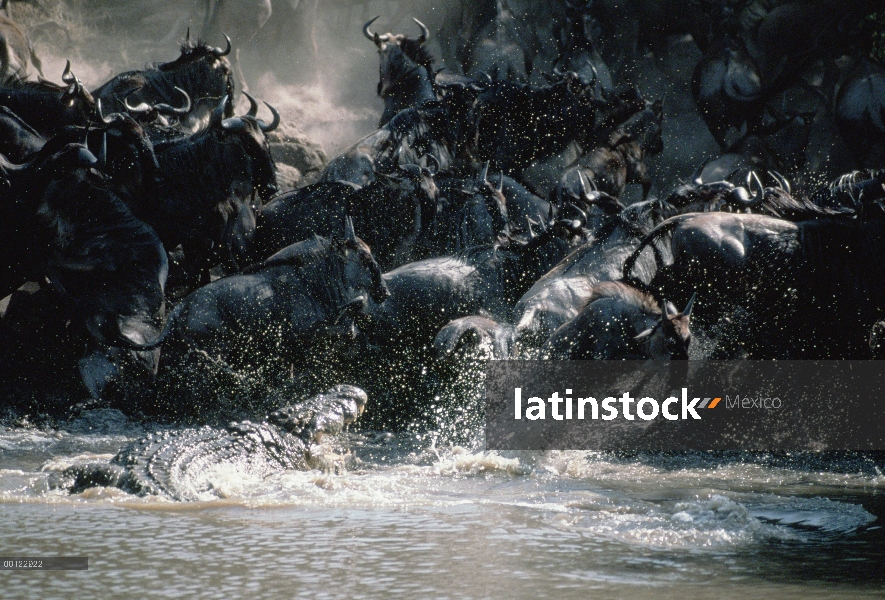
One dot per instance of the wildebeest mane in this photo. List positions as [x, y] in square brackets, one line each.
[417, 53]
[778, 203]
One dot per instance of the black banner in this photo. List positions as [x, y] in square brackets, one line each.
[686, 405]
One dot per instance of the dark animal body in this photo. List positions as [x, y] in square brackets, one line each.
[519, 124]
[812, 289]
[406, 71]
[64, 224]
[48, 107]
[486, 280]
[175, 463]
[202, 71]
[565, 290]
[395, 211]
[276, 310]
[622, 323]
[620, 159]
[203, 198]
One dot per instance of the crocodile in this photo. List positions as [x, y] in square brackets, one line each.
[172, 463]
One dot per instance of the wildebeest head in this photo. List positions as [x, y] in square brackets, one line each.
[125, 154]
[243, 137]
[647, 127]
[669, 339]
[203, 70]
[399, 55]
[406, 69]
[360, 270]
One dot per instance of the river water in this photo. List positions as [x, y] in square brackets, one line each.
[405, 516]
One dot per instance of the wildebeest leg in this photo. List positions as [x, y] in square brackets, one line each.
[98, 367]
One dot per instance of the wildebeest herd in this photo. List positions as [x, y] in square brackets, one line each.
[151, 264]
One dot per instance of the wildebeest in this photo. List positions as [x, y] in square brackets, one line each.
[203, 200]
[488, 36]
[474, 335]
[503, 48]
[15, 48]
[442, 130]
[728, 90]
[275, 310]
[859, 191]
[48, 107]
[395, 211]
[509, 115]
[18, 140]
[406, 71]
[779, 144]
[486, 280]
[202, 71]
[561, 293]
[806, 289]
[620, 159]
[63, 224]
[621, 322]
[472, 212]
[577, 52]
[860, 115]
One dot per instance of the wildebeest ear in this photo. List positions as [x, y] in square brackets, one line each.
[645, 334]
[689, 306]
[349, 233]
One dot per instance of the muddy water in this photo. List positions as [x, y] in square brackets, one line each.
[397, 516]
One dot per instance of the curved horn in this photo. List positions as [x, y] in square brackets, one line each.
[66, 75]
[219, 52]
[581, 178]
[142, 109]
[580, 212]
[349, 233]
[253, 105]
[218, 114]
[501, 182]
[696, 176]
[755, 185]
[166, 109]
[274, 124]
[529, 224]
[425, 33]
[371, 36]
[690, 305]
[485, 172]
[100, 115]
[781, 181]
